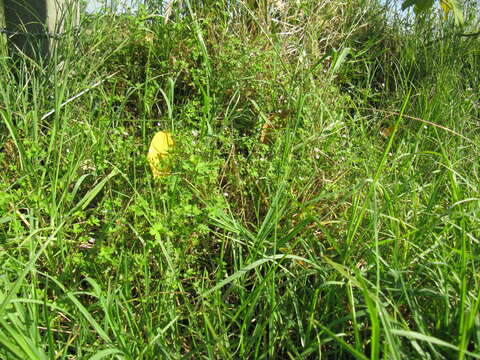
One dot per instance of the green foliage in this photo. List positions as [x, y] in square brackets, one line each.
[322, 201]
[422, 6]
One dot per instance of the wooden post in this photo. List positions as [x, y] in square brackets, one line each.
[32, 24]
[3, 36]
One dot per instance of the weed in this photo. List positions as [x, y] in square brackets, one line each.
[322, 198]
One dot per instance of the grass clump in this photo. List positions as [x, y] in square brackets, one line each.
[323, 199]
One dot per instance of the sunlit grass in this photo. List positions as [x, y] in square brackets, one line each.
[322, 200]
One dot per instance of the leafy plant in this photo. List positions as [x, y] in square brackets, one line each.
[321, 198]
[422, 6]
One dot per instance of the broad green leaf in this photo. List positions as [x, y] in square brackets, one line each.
[422, 6]
[457, 12]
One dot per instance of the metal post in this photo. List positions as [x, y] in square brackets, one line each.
[31, 25]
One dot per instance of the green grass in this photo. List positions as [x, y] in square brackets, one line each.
[323, 200]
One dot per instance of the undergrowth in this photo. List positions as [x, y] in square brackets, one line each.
[323, 198]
